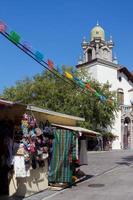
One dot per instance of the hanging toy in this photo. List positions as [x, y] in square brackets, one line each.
[32, 147]
[25, 125]
[25, 116]
[32, 133]
[32, 122]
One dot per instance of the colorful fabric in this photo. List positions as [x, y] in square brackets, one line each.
[73, 148]
[60, 170]
[77, 148]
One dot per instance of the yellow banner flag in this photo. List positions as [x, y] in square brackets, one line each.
[68, 75]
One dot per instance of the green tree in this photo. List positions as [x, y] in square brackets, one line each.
[50, 92]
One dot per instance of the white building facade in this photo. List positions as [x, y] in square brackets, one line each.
[99, 62]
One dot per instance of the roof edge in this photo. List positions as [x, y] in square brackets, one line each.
[41, 110]
[49, 112]
[99, 60]
[127, 73]
[77, 129]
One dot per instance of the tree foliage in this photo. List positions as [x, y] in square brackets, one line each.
[50, 92]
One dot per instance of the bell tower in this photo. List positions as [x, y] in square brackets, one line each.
[98, 47]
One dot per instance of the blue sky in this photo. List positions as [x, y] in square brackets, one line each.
[56, 28]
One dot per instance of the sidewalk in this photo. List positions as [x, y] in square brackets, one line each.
[37, 196]
[48, 192]
[98, 163]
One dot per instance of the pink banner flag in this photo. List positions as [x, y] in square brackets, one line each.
[2, 27]
[50, 64]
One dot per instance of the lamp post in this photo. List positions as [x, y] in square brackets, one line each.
[125, 135]
[132, 103]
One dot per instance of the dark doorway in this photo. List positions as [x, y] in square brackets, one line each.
[126, 139]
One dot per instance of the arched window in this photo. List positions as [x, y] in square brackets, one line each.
[120, 96]
[89, 55]
[127, 120]
[105, 53]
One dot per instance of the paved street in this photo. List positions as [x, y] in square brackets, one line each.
[110, 177]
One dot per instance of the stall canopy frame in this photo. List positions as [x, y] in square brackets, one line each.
[87, 132]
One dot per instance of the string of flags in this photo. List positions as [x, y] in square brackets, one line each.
[37, 55]
[86, 85]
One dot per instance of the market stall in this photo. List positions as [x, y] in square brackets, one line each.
[26, 139]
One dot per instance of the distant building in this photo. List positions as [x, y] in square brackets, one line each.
[99, 62]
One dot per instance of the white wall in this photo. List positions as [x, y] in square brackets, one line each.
[103, 74]
[116, 130]
[92, 71]
[131, 95]
[125, 85]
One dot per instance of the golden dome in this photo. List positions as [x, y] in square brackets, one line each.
[97, 32]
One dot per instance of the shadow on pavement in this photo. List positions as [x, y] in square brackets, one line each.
[124, 163]
[35, 196]
[11, 198]
[128, 160]
[96, 185]
[86, 177]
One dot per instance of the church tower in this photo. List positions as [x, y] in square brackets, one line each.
[99, 64]
[98, 47]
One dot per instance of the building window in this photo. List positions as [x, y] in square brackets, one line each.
[89, 55]
[120, 96]
[120, 79]
[105, 53]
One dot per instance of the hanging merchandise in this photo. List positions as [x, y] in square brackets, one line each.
[47, 131]
[25, 125]
[63, 156]
[34, 146]
[20, 168]
[32, 122]
[24, 154]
